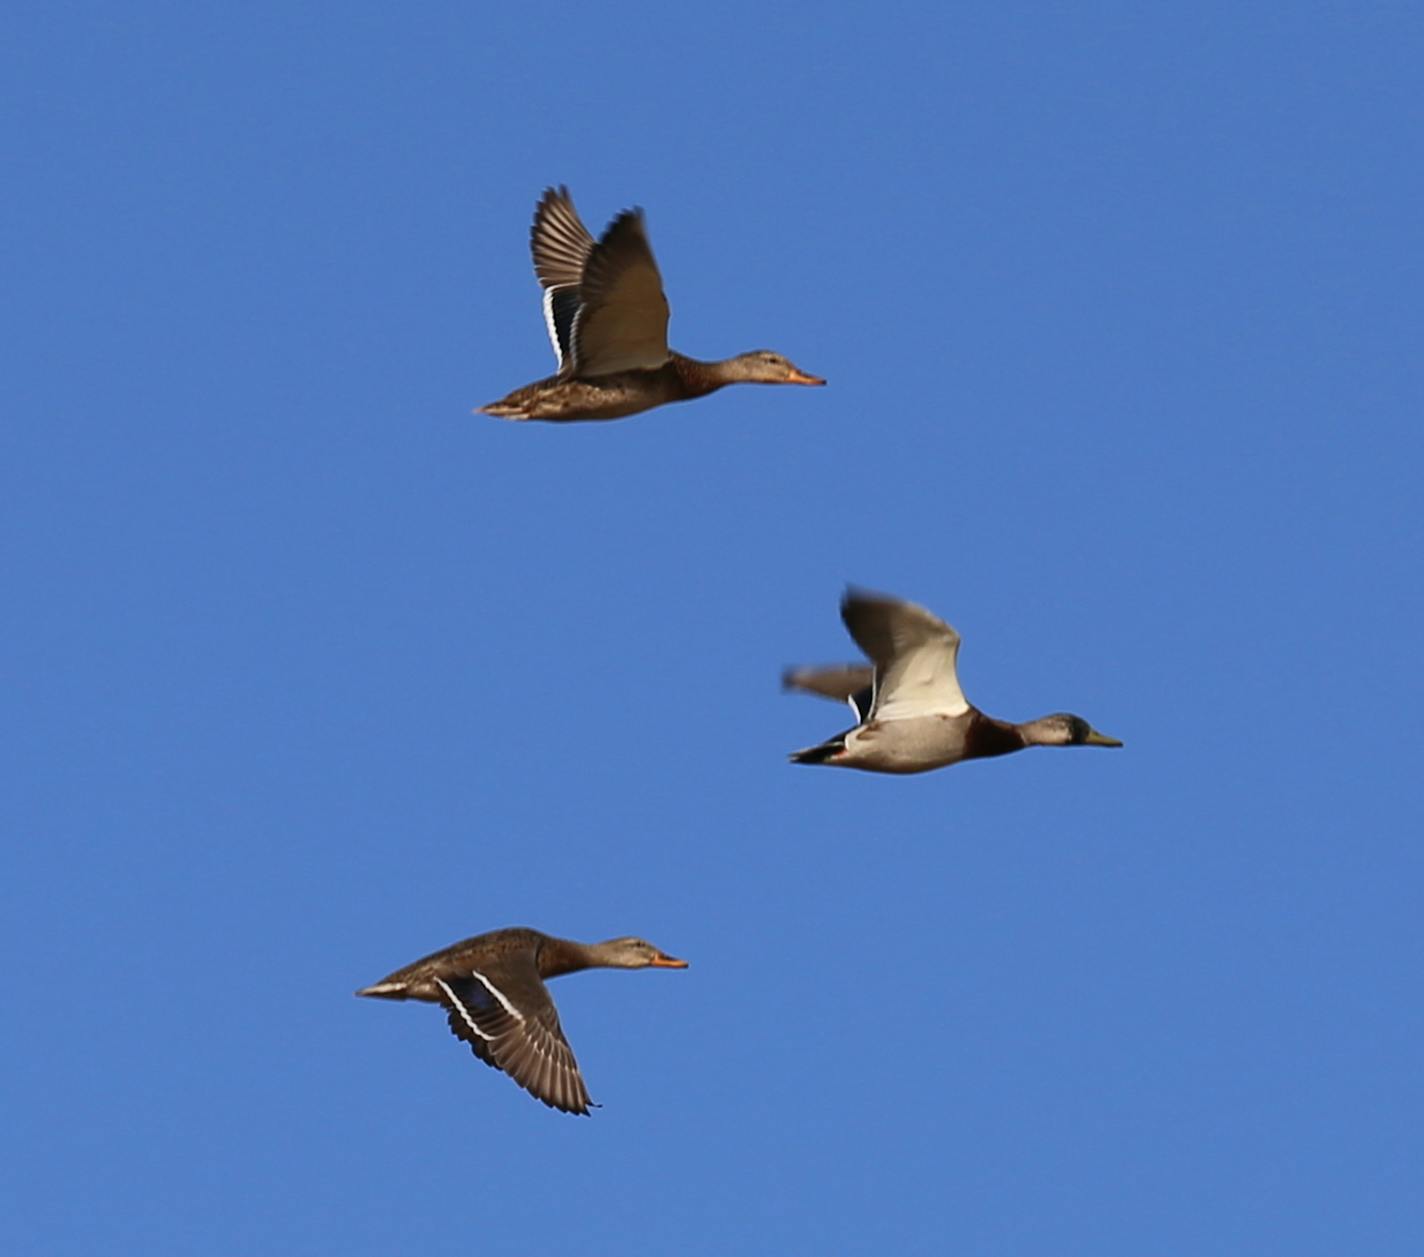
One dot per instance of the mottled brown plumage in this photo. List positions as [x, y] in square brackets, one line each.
[607, 319]
[492, 989]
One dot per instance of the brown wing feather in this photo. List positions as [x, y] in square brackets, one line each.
[838, 681]
[622, 320]
[510, 1022]
[852, 683]
[558, 240]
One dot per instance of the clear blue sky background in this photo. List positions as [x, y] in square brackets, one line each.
[309, 671]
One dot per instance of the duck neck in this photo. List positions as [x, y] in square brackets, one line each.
[700, 378]
[988, 737]
[564, 955]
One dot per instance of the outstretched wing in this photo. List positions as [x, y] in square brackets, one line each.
[516, 1030]
[622, 319]
[852, 683]
[915, 655]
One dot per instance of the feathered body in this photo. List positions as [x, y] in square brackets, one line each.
[911, 715]
[492, 989]
[607, 319]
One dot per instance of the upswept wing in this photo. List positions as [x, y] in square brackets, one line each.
[915, 655]
[560, 244]
[622, 319]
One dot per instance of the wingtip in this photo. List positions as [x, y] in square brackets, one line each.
[632, 216]
[560, 1106]
[859, 595]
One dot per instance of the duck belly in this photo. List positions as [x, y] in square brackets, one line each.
[616, 396]
[916, 745]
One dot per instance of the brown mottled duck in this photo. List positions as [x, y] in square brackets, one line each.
[607, 319]
[492, 988]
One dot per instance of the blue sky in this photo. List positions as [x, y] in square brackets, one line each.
[309, 671]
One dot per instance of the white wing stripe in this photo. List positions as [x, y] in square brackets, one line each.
[498, 994]
[462, 1010]
[549, 324]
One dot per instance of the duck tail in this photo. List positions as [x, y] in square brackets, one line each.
[818, 754]
[386, 990]
[502, 410]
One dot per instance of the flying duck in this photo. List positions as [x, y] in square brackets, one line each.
[607, 319]
[492, 988]
[910, 713]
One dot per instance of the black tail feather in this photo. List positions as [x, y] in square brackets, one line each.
[818, 754]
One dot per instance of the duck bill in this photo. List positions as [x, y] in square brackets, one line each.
[1100, 739]
[800, 377]
[667, 962]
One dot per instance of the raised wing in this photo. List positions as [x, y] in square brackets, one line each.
[852, 683]
[521, 1037]
[560, 244]
[622, 319]
[915, 655]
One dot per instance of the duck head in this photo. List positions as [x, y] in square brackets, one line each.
[635, 953]
[763, 366]
[1063, 729]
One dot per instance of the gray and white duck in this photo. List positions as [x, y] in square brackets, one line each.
[607, 319]
[911, 715]
[492, 989]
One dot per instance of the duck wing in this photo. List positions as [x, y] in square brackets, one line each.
[560, 244]
[915, 655]
[506, 1016]
[622, 318]
[852, 683]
